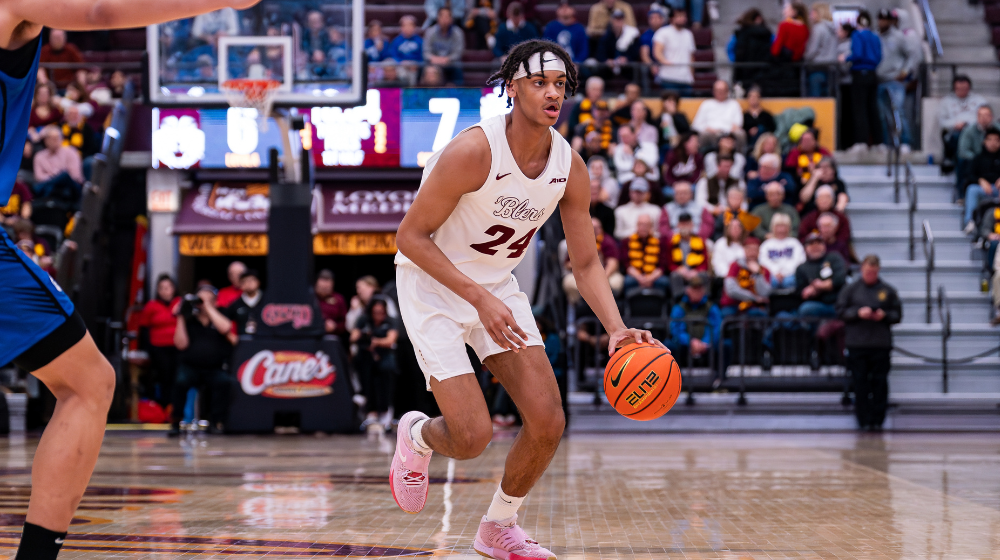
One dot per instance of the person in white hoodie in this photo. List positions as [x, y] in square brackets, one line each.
[821, 49]
[782, 254]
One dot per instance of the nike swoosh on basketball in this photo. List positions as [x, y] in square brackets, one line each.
[499, 176]
[616, 379]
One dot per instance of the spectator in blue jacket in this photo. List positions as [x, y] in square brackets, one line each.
[770, 171]
[407, 47]
[568, 33]
[376, 43]
[695, 324]
[865, 56]
[515, 30]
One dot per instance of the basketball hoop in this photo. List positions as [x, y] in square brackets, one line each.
[253, 94]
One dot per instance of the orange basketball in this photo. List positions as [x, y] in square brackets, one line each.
[642, 381]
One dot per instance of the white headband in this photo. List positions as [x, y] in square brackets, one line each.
[552, 62]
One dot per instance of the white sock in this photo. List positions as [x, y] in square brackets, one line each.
[417, 435]
[503, 506]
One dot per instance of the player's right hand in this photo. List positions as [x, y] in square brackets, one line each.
[498, 320]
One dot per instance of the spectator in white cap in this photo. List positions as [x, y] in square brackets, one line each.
[627, 215]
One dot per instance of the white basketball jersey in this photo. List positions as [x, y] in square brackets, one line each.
[490, 229]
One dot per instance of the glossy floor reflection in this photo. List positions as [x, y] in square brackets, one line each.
[629, 496]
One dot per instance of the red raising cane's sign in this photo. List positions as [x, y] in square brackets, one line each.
[287, 374]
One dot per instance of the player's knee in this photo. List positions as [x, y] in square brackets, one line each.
[548, 425]
[98, 385]
[472, 440]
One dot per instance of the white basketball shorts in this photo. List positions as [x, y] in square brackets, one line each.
[440, 323]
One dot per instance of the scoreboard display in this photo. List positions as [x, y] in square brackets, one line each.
[394, 128]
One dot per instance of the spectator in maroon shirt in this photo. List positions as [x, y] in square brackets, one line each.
[59, 50]
[331, 304]
[44, 111]
[158, 316]
[684, 163]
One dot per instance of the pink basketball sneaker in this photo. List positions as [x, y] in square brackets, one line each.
[504, 540]
[408, 475]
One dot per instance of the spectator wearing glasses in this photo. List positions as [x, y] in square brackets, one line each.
[869, 307]
[956, 111]
[443, 46]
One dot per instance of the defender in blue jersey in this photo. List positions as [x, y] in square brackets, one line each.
[39, 329]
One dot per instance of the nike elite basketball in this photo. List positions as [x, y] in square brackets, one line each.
[642, 381]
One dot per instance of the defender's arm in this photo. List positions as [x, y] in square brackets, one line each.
[84, 15]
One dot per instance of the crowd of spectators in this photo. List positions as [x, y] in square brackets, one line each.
[714, 213]
[190, 341]
[69, 113]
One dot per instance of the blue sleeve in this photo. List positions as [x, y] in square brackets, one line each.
[678, 328]
[581, 45]
[731, 48]
[755, 191]
[855, 46]
[714, 328]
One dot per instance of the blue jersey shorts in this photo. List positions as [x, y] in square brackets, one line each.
[32, 307]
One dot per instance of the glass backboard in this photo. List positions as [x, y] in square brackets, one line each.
[314, 49]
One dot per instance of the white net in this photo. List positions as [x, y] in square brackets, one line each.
[254, 94]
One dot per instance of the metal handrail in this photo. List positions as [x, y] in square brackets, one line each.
[929, 256]
[910, 182]
[932, 31]
[895, 127]
[944, 315]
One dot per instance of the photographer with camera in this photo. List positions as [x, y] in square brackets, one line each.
[204, 343]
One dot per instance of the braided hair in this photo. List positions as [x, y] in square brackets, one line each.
[518, 58]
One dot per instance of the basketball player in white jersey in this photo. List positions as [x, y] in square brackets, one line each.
[481, 201]
[39, 328]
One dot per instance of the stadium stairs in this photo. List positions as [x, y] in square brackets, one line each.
[880, 226]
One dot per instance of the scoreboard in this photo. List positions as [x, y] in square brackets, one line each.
[394, 128]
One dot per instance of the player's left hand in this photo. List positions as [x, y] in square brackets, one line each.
[621, 337]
